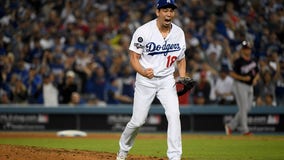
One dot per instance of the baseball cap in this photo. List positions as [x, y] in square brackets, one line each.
[70, 73]
[246, 44]
[166, 3]
[224, 68]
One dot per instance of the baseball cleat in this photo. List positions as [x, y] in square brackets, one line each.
[248, 134]
[121, 155]
[228, 130]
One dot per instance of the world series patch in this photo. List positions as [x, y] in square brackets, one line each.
[140, 39]
[139, 45]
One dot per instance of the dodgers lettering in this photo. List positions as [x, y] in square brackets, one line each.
[153, 48]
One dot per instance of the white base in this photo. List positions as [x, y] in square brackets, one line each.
[71, 133]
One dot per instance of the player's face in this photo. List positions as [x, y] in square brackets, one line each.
[246, 51]
[165, 16]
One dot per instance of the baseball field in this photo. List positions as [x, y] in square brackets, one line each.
[103, 146]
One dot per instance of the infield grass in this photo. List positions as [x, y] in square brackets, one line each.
[195, 146]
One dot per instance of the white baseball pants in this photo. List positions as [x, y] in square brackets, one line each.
[145, 92]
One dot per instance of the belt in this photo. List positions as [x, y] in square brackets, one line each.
[161, 76]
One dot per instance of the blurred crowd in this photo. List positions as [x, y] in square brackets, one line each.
[76, 51]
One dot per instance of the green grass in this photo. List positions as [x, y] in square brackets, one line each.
[229, 149]
[195, 147]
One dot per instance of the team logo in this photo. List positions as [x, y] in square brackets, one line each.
[249, 68]
[166, 48]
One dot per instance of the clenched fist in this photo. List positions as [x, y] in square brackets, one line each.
[149, 73]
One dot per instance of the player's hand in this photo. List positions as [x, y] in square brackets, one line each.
[149, 73]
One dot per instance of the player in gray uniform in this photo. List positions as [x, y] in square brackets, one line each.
[156, 50]
[245, 74]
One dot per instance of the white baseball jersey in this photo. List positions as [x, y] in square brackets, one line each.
[156, 52]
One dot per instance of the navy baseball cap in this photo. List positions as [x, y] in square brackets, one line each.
[166, 4]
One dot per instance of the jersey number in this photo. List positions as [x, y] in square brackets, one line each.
[171, 60]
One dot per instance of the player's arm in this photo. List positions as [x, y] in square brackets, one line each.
[256, 79]
[123, 98]
[239, 77]
[182, 67]
[134, 61]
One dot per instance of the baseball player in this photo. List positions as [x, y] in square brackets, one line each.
[245, 74]
[155, 48]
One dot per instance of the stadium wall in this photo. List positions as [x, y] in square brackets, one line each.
[114, 118]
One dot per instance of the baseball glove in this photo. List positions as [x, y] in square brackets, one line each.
[187, 84]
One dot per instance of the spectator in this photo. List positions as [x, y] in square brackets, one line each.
[80, 65]
[223, 88]
[34, 35]
[76, 99]
[116, 67]
[269, 100]
[5, 69]
[57, 67]
[18, 89]
[92, 100]
[127, 80]
[34, 84]
[201, 92]
[97, 83]
[113, 94]
[214, 53]
[266, 89]
[22, 69]
[68, 86]
[279, 90]
[49, 91]
[4, 98]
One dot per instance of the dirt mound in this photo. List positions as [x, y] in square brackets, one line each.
[12, 152]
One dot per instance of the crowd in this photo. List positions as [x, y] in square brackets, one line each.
[76, 51]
